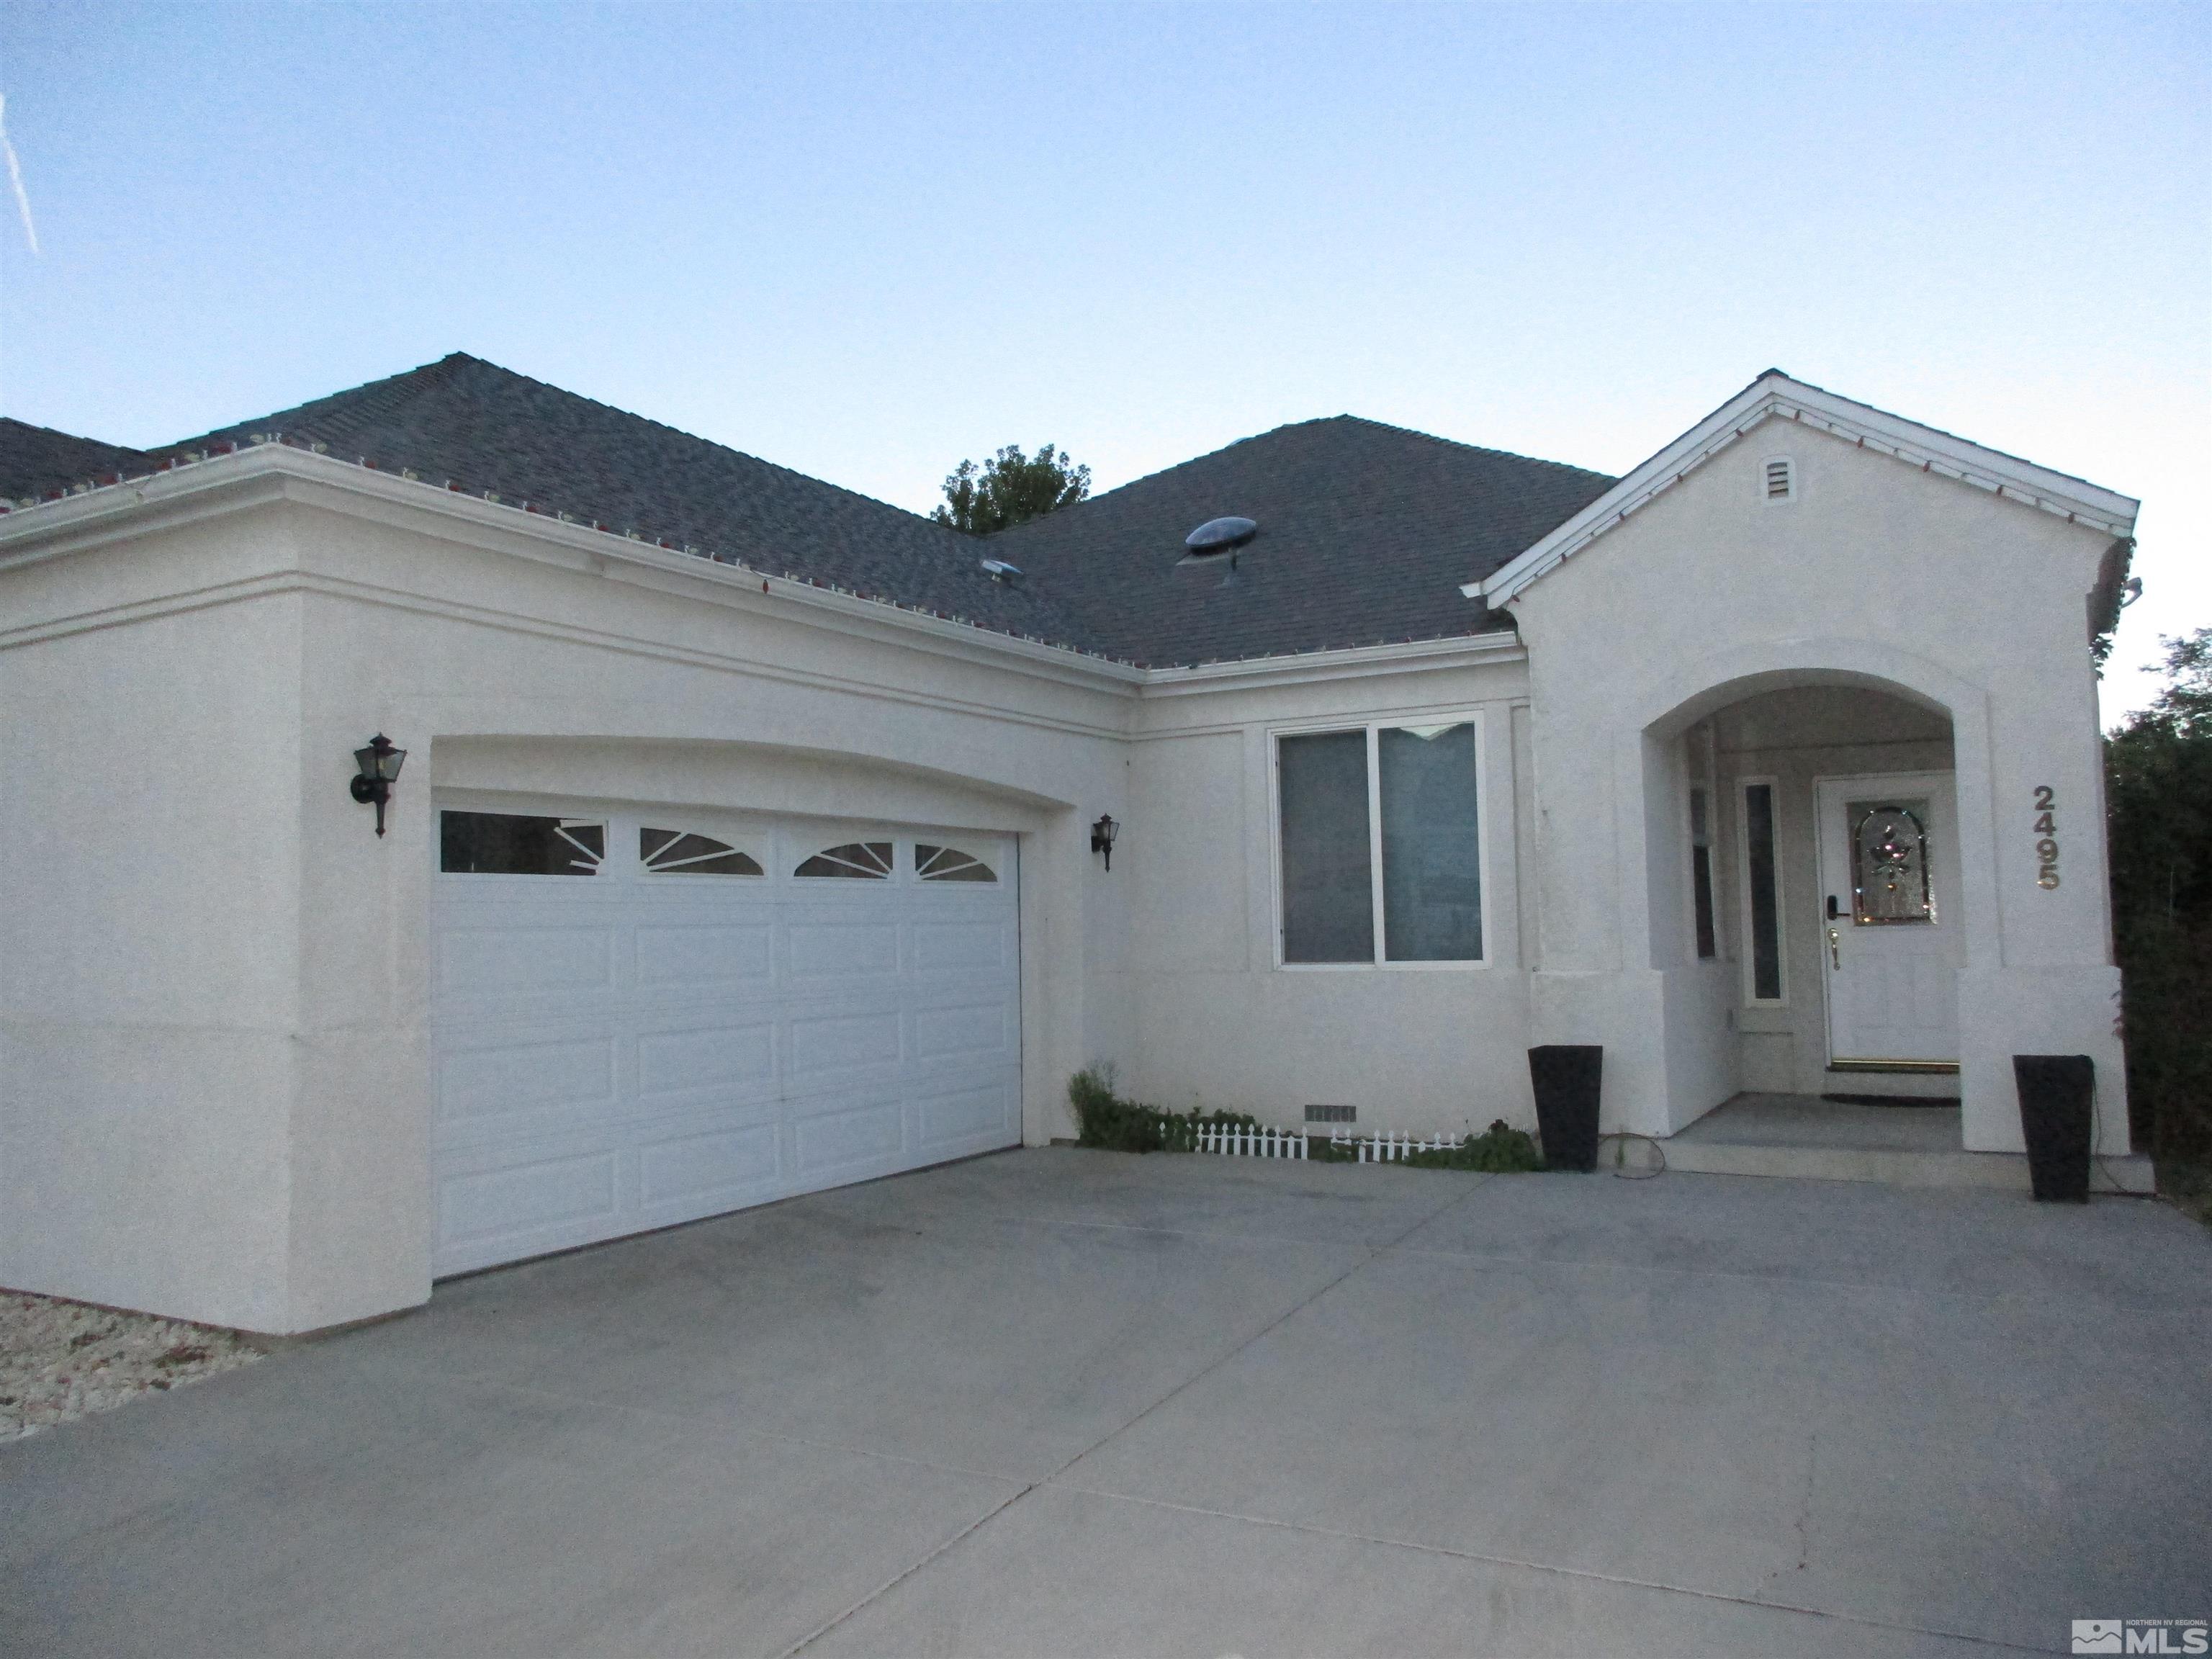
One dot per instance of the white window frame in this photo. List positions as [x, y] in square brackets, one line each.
[1373, 728]
[1749, 953]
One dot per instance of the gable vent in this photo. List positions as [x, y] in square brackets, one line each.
[1782, 479]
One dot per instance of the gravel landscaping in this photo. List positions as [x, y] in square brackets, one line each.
[62, 1360]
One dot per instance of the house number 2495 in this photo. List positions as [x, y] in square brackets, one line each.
[2046, 836]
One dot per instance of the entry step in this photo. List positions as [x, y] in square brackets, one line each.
[1797, 1137]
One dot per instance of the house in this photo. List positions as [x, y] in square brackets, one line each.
[744, 841]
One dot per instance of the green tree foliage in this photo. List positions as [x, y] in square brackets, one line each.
[1011, 488]
[2158, 772]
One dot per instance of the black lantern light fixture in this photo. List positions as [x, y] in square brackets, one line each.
[1102, 837]
[379, 765]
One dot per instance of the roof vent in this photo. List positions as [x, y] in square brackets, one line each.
[1002, 572]
[1781, 477]
[1219, 536]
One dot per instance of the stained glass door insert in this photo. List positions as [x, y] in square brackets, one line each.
[1890, 880]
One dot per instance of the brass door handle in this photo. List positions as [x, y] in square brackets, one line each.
[1835, 955]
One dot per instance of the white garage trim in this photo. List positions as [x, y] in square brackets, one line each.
[641, 1043]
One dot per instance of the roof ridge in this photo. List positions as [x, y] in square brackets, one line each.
[345, 401]
[1290, 426]
[360, 405]
[1479, 449]
[1158, 472]
[690, 437]
[74, 437]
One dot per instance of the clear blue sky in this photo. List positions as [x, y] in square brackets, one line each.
[868, 241]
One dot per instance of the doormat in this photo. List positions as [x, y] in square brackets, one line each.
[1893, 1100]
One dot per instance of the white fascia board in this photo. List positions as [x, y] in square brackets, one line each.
[1354, 662]
[1776, 397]
[264, 472]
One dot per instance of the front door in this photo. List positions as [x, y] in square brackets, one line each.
[1889, 919]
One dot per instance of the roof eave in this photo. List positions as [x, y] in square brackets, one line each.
[259, 475]
[102, 515]
[1343, 662]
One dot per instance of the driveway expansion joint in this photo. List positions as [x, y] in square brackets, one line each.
[892, 1583]
[1207, 1370]
[1481, 1559]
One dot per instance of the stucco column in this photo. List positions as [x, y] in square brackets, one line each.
[1063, 994]
[1596, 984]
[2046, 985]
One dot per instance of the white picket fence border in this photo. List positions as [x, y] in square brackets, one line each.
[1231, 1141]
[1390, 1149]
[1235, 1142]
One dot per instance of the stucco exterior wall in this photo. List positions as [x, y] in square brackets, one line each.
[1877, 575]
[149, 895]
[1219, 1022]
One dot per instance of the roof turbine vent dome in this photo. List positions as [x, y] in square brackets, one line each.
[1219, 536]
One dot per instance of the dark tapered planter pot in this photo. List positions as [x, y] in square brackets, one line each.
[2054, 1099]
[1565, 1078]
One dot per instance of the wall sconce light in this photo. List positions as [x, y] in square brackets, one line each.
[379, 765]
[1102, 837]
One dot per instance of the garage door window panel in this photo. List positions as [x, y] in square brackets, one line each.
[518, 844]
[681, 853]
[950, 863]
[863, 860]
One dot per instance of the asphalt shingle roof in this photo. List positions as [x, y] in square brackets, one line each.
[1366, 531]
[35, 460]
[473, 424]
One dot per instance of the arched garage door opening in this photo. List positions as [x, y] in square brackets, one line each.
[642, 1017]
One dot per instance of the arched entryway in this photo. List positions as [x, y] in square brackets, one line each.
[1810, 879]
[1809, 893]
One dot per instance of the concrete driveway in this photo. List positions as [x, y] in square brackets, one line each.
[1070, 1402]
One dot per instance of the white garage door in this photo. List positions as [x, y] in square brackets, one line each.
[644, 1018]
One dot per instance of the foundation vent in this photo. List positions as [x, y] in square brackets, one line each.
[1332, 1114]
[1782, 479]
